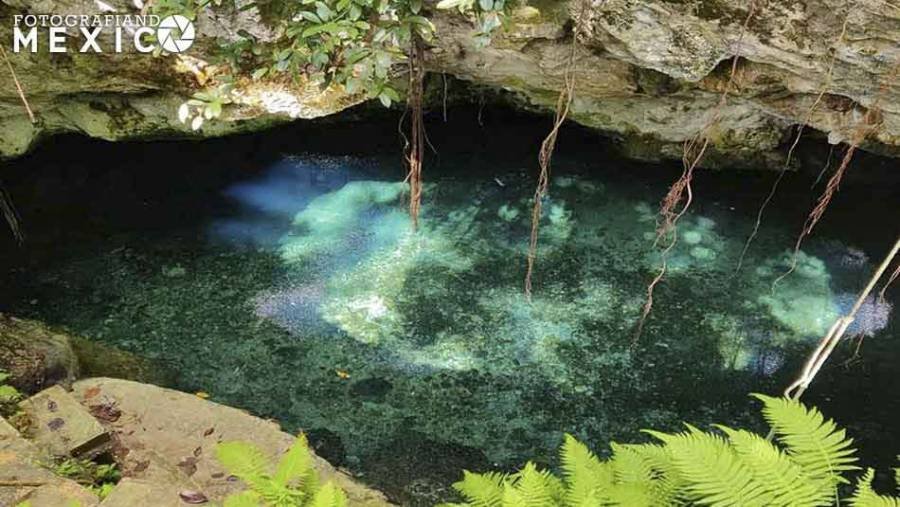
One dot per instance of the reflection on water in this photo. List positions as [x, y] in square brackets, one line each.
[304, 295]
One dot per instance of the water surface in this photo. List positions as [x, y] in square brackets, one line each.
[279, 273]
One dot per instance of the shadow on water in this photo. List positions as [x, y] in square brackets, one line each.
[277, 272]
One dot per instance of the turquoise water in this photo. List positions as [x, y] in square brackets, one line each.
[282, 275]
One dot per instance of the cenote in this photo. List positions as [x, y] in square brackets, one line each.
[278, 272]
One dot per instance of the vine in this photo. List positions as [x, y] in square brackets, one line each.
[826, 84]
[681, 191]
[563, 102]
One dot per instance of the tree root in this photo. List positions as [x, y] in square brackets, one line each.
[826, 84]
[415, 146]
[680, 193]
[870, 122]
[563, 102]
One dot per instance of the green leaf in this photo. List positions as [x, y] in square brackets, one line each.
[814, 443]
[295, 463]
[482, 490]
[243, 460]
[311, 16]
[486, 5]
[449, 4]
[260, 73]
[329, 496]
[415, 6]
[324, 12]
[244, 499]
[865, 496]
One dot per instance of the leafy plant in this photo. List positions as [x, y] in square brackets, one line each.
[205, 106]
[489, 15]
[9, 396]
[293, 483]
[100, 478]
[728, 467]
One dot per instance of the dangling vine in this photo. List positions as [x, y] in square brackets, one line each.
[415, 146]
[6, 205]
[869, 123]
[826, 84]
[563, 102]
[681, 193]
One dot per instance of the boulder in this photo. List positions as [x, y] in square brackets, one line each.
[34, 355]
[160, 430]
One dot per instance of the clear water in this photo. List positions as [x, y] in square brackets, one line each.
[283, 276]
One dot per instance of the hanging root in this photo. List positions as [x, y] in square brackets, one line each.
[818, 357]
[680, 193]
[888, 283]
[826, 84]
[546, 153]
[870, 122]
[11, 216]
[19, 89]
[415, 145]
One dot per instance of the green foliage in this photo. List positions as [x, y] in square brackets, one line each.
[205, 106]
[354, 43]
[9, 396]
[729, 467]
[489, 15]
[293, 483]
[100, 478]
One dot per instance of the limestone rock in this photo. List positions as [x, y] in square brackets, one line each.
[28, 480]
[648, 73]
[34, 355]
[62, 427]
[165, 430]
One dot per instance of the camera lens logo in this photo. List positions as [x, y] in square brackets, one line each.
[175, 33]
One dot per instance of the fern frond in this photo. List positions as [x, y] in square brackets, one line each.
[865, 496]
[511, 497]
[295, 464]
[814, 443]
[243, 499]
[784, 481]
[245, 461]
[586, 477]
[713, 473]
[328, 495]
[632, 494]
[482, 490]
[667, 483]
[536, 488]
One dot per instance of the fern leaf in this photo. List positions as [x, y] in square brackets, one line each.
[586, 477]
[632, 494]
[784, 481]
[245, 461]
[511, 497]
[243, 499]
[865, 496]
[713, 473]
[814, 443]
[666, 484]
[482, 490]
[537, 488]
[295, 464]
[328, 495]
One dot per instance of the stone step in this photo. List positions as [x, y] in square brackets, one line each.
[24, 479]
[61, 426]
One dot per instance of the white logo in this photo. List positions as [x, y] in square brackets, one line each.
[175, 33]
